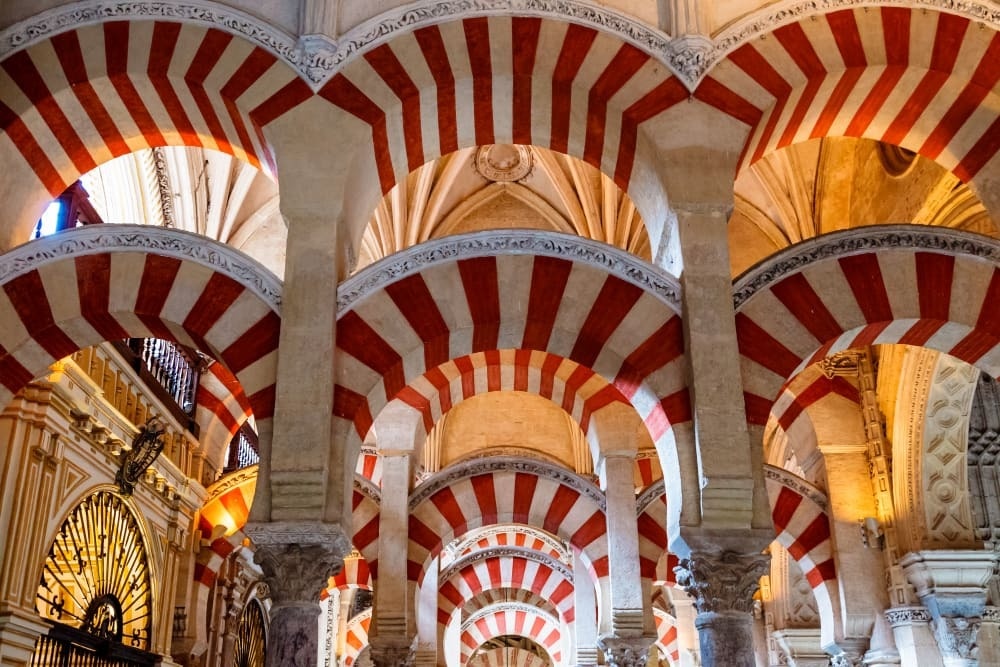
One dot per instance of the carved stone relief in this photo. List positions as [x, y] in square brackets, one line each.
[722, 582]
[983, 461]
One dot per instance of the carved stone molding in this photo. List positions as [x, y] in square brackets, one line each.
[649, 496]
[413, 260]
[232, 480]
[856, 241]
[626, 651]
[504, 464]
[94, 239]
[503, 163]
[392, 652]
[898, 616]
[722, 582]
[796, 484]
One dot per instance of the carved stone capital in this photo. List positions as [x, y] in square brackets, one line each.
[392, 652]
[722, 582]
[298, 559]
[626, 651]
[957, 636]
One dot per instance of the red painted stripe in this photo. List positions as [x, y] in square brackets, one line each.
[796, 294]
[212, 46]
[436, 55]
[983, 80]
[482, 295]
[817, 532]
[623, 66]
[290, 95]
[216, 298]
[750, 60]
[784, 508]
[255, 343]
[249, 72]
[921, 332]
[760, 347]
[477, 39]
[161, 52]
[653, 103]
[524, 35]
[387, 65]
[492, 370]
[358, 339]
[576, 44]
[157, 280]
[31, 151]
[522, 364]
[662, 347]
[413, 298]
[263, 403]
[27, 295]
[447, 505]
[344, 94]
[864, 275]
[934, 276]
[981, 153]
[973, 346]
[548, 283]
[93, 282]
[677, 408]
[560, 505]
[21, 69]
[613, 303]
[947, 44]
[869, 108]
[844, 26]
[524, 493]
[486, 499]
[422, 535]
[836, 101]
[715, 94]
[116, 42]
[592, 529]
[67, 48]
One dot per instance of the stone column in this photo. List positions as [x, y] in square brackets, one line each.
[627, 604]
[296, 569]
[723, 586]
[687, 637]
[427, 624]
[391, 640]
[914, 640]
[953, 585]
[19, 630]
[585, 623]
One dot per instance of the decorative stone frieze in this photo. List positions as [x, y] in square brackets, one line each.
[907, 615]
[957, 636]
[725, 582]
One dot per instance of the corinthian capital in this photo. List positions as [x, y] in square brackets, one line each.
[298, 559]
[722, 582]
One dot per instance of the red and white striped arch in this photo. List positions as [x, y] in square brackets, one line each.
[509, 569]
[502, 490]
[917, 78]
[504, 595]
[365, 502]
[442, 331]
[222, 408]
[841, 297]
[666, 636]
[84, 96]
[356, 637]
[647, 469]
[108, 282]
[369, 465]
[354, 574]
[501, 79]
[513, 535]
[520, 621]
[803, 529]
[508, 657]
[651, 523]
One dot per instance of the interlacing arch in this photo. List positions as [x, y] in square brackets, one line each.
[221, 408]
[666, 636]
[885, 73]
[356, 638]
[505, 490]
[92, 93]
[108, 282]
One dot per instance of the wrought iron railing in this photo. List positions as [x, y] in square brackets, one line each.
[68, 647]
[243, 450]
[170, 371]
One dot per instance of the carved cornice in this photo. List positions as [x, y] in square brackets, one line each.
[652, 493]
[507, 552]
[231, 481]
[858, 241]
[366, 487]
[796, 484]
[95, 239]
[279, 534]
[722, 582]
[458, 472]
[414, 260]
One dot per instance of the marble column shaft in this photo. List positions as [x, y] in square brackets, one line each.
[391, 639]
[626, 604]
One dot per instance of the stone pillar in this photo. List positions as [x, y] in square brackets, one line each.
[585, 623]
[391, 640]
[687, 636]
[627, 605]
[723, 586]
[953, 586]
[19, 631]
[914, 640]
[427, 624]
[297, 567]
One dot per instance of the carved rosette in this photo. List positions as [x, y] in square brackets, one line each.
[957, 636]
[721, 583]
[626, 651]
[297, 573]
